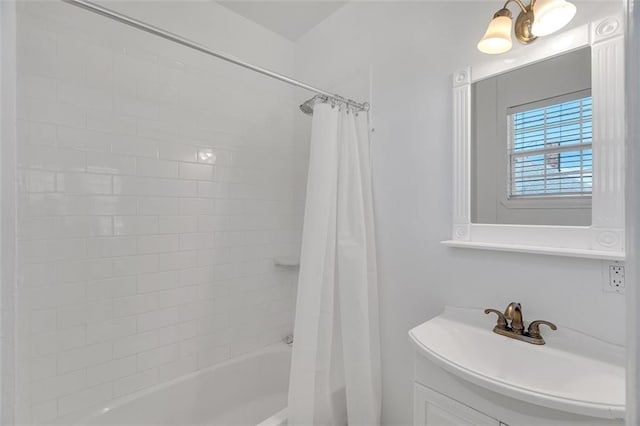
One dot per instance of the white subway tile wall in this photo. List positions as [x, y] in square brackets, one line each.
[155, 188]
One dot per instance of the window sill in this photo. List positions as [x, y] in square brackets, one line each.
[548, 203]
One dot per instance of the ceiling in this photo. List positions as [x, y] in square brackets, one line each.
[290, 19]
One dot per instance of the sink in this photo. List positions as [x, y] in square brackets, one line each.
[573, 372]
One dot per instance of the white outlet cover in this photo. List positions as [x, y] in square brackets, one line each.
[613, 277]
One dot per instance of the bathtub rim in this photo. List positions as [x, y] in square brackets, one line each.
[80, 419]
[278, 419]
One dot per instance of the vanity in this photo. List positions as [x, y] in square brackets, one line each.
[466, 374]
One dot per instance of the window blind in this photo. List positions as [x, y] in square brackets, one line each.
[550, 147]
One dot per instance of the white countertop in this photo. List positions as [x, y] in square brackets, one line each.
[573, 372]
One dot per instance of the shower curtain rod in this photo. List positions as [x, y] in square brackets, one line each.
[92, 7]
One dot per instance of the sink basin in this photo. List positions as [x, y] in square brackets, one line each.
[573, 372]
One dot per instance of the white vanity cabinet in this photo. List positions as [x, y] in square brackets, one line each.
[459, 403]
[465, 374]
[431, 408]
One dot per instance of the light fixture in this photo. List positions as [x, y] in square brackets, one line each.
[540, 18]
[497, 39]
[551, 15]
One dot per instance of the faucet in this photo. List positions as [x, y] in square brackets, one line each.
[511, 324]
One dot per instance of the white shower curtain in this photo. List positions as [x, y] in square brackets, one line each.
[335, 371]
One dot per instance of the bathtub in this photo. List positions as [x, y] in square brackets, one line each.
[247, 390]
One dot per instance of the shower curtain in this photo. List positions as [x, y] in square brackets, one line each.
[335, 371]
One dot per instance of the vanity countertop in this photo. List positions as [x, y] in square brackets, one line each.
[573, 372]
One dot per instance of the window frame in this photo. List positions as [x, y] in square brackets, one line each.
[541, 201]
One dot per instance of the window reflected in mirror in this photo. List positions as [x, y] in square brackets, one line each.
[531, 150]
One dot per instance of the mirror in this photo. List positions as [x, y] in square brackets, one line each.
[531, 136]
[556, 205]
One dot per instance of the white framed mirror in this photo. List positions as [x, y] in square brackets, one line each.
[538, 161]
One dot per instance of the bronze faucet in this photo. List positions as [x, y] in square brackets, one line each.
[511, 324]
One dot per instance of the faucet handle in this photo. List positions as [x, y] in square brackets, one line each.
[534, 328]
[502, 321]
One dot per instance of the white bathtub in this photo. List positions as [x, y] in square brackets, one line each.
[248, 390]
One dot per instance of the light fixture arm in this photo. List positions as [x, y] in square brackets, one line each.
[524, 21]
[519, 3]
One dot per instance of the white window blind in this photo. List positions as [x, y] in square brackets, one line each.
[550, 147]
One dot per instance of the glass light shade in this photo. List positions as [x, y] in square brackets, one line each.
[551, 15]
[497, 39]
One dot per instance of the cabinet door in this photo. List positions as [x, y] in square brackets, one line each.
[431, 408]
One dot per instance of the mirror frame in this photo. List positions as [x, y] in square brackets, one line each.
[605, 238]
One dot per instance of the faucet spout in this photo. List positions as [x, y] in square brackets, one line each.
[513, 313]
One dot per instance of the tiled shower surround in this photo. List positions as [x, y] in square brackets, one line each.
[155, 189]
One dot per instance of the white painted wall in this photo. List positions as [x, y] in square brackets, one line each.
[138, 260]
[412, 49]
[633, 212]
[7, 200]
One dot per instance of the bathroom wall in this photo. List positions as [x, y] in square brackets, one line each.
[632, 216]
[410, 50]
[7, 217]
[155, 189]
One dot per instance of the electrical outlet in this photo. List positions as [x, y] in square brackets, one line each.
[616, 276]
[613, 277]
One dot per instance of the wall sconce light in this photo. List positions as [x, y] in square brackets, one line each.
[539, 18]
